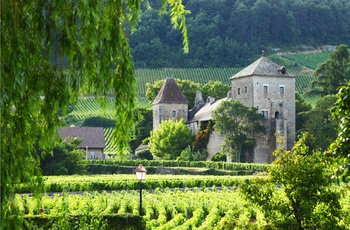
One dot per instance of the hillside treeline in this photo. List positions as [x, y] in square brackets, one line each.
[232, 33]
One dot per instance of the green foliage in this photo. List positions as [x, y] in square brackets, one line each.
[334, 72]
[144, 155]
[202, 136]
[53, 51]
[305, 198]
[219, 157]
[170, 139]
[238, 124]
[126, 180]
[190, 154]
[301, 110]
[215, 88]
[205, 208]
[144, 125]
[232, 33]
[196, 164]
[312, 60]
[320, 123]
[98, 122]
[341, 146]
[66, 159]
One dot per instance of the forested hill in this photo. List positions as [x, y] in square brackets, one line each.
[232, 33]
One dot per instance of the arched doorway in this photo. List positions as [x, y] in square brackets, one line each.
[277, 115]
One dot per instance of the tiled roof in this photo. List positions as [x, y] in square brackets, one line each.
[262, 67]
[93, 137]
[205, 112]
[170, 93]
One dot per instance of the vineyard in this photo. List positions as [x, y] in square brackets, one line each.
[199, 75]
[110, 148]
[311, 60]
[202, 76]
[89, 107]
[163, 208]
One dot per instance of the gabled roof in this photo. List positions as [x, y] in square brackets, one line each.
[205, 112]
[262, 67]
[93, 137]
[170, 93]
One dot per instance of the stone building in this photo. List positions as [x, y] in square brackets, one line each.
[170, 103]
[263, 84]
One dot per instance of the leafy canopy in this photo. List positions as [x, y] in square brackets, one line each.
[238, 124]
[170, 139]
[298, 192]
[333, 73]
[340, 148]
[52, 51]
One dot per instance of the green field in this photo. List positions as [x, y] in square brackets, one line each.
[310, 60]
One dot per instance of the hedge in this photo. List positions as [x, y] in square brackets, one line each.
[106, 222]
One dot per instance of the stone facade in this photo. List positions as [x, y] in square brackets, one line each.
[271, 89]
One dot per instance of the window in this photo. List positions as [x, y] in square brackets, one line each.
[245, 89]
[173, 113]
[265, 114]
[281, 89]
[92, 155]
[239, 91]
[266, 88]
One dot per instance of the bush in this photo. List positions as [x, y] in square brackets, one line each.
[189, 154]
[219, 157]
[144, 154]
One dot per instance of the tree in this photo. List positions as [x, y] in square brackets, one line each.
[333, 73]
[341, 146]
[144, 125]
[168, 141]
[298, 192]
[51, 51]
[215, 88]
[238, 124]
[66, 159]
[302, 109]
[320, 123]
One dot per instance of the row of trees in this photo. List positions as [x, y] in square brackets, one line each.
[232, 33]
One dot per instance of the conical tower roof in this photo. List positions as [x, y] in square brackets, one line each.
[170, 93]
[262, 67]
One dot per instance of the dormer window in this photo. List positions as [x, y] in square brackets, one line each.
[282, 70]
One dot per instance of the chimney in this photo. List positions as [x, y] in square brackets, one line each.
[199, 98]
